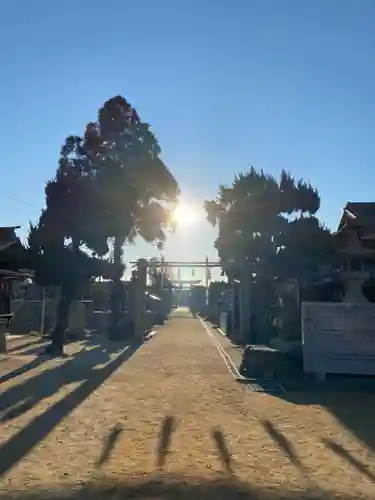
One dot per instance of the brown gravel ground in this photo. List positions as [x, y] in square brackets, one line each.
[169, 422]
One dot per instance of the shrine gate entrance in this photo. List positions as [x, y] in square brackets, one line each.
[143, 266]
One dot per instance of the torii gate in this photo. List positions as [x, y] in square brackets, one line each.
[141, 280]
[186, 282]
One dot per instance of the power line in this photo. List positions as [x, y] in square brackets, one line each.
[12, 197]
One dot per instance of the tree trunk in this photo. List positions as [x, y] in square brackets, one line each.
[56, 347]
[115, 332]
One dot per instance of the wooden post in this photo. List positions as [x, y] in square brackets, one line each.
[140, 301]
[43, 314]
[3, 341]
[207, 277]
[5, 312]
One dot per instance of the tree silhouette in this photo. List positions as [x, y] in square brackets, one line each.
[267, 227]
[136, 188]
[67, 228]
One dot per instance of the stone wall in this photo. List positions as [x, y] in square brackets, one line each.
[28, 316]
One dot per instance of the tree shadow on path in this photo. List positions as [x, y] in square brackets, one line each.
[38, 350]
[352, 407]
[283, 443]
[30, 391]
[173, 487]
[109, 444]
[26, 367]
[341, 452]
[21, 443]
[168, 426]
[223, 450]
[19, 348]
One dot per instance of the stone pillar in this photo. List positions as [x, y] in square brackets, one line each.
[140, 301]
[77, 318]
[354, 281]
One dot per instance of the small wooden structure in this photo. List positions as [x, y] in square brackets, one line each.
[8, 273]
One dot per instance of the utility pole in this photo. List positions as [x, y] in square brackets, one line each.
[207, 278]
[140, 302]
[162, 260]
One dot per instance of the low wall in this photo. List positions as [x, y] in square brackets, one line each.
[28, 315]
[338, 338]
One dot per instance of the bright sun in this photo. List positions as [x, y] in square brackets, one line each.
[184, 215]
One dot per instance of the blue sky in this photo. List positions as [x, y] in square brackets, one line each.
[272, 83]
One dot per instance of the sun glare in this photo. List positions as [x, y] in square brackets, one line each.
[184, 215]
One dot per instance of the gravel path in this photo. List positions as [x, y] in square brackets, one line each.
[169, 421]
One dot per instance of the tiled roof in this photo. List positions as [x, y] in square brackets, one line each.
[8, 236]
[358, 214]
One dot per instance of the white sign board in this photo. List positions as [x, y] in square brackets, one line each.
[338, 338]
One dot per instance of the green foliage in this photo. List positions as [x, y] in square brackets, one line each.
[60, 265]
[307, 244]
[72, 201]
[267, 226]
[68, 224]
[215, 289]
[135, 190]
[135, 187]
[109, 183]
[15, 257]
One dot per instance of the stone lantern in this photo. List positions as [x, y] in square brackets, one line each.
[8, 273]
[355, 245]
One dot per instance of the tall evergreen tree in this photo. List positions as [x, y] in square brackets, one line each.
[267, 227]
[136, 188]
